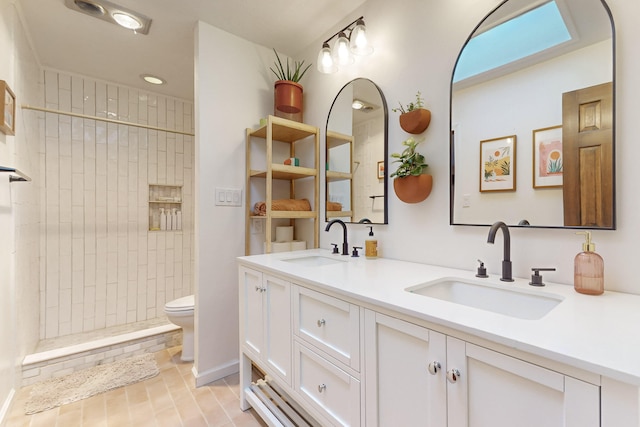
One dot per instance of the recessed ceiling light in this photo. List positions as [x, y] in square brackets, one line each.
[125, 20]
[110, 12]
[154, 80]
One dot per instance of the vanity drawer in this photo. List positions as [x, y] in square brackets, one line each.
[327, 388]
[330, 324]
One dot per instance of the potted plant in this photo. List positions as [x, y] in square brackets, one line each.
[411, 184]
[288, 92]
[414, 118]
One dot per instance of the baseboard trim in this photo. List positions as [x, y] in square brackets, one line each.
[6, 406]
[215, 373]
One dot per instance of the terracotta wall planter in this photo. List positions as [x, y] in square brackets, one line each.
[413, 189]
[416, 121]
[288, 97]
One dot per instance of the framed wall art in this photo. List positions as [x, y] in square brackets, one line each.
[547, 157]
[498, 164]
[7, 109]
[381, 170]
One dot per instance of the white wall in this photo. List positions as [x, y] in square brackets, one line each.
[233, 90]
[101, 265]
[19, 208]
[416, 48]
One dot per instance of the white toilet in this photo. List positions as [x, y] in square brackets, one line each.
[180, 313]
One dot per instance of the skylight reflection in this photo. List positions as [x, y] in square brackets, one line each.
[527, 34]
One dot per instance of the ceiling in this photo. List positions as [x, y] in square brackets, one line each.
[71, 41]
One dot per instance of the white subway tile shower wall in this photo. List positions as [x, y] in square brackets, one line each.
[103, 267]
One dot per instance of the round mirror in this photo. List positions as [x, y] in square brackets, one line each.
[532, 117]
[356, 155]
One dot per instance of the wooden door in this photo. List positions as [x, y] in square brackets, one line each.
[587, 133]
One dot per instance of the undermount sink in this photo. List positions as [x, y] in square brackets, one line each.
[313, 260]
[495, 298]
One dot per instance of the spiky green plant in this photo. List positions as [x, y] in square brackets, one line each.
[291, 73]
[411, 162]
[419, 103]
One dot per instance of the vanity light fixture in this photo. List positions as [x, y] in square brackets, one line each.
[113, 13]
[345, 47]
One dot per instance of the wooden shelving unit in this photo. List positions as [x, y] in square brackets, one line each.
[334, 140]
[277, 132]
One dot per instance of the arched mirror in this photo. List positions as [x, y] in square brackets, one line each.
[356, 153]
[532, 117]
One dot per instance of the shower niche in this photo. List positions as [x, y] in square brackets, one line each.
[165, 207]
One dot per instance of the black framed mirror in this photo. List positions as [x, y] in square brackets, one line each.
[356, 155]
[533, 117]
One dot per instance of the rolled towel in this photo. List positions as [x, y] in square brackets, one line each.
[334, 206]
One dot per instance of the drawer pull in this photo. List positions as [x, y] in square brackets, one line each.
[260, 289]
[434, 367]
[321, 388]
[453, 375]
[321, 323]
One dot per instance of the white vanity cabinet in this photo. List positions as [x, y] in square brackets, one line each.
[265, 321]
[415, 376]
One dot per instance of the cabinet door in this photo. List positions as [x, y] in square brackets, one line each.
[492, 389]
[401, 388]
[277, 326]
[251, 311]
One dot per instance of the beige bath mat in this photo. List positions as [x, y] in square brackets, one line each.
[79, 385]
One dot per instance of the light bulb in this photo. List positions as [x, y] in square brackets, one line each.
[127, 21]
[325, 61]
[359, 44]
[341, 51]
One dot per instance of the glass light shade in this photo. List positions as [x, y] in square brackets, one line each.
[341, 51]
[127, 21]
[325, 62]
[359, 43]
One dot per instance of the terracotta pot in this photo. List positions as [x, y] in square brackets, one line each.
[288, 96]
[416, 121]
[413, 189]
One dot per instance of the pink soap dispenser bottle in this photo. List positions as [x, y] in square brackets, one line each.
[588, 276]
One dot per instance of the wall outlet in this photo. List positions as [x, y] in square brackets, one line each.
[257, 226]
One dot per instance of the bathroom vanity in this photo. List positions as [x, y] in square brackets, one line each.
[382, 342]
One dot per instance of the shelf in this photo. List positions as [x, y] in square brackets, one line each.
[336, 139]
[339, 214]
[338, 176]
[280, 134]
[166, 202]
[16, 175]
[279, 171]
[285, 130]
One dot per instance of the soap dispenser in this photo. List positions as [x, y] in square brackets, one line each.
[588, 275]
[371, 246]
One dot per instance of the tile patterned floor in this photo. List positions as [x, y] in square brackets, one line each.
[169, 399]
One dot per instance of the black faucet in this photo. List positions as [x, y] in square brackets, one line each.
[345, 245]
[506, 262]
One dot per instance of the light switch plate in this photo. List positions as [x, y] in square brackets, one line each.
[228, 196]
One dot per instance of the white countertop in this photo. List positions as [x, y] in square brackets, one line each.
[600, 334]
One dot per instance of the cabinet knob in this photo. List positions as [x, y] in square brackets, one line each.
[434, 367]
[321, 322]
[321, 388]
[453, 375]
